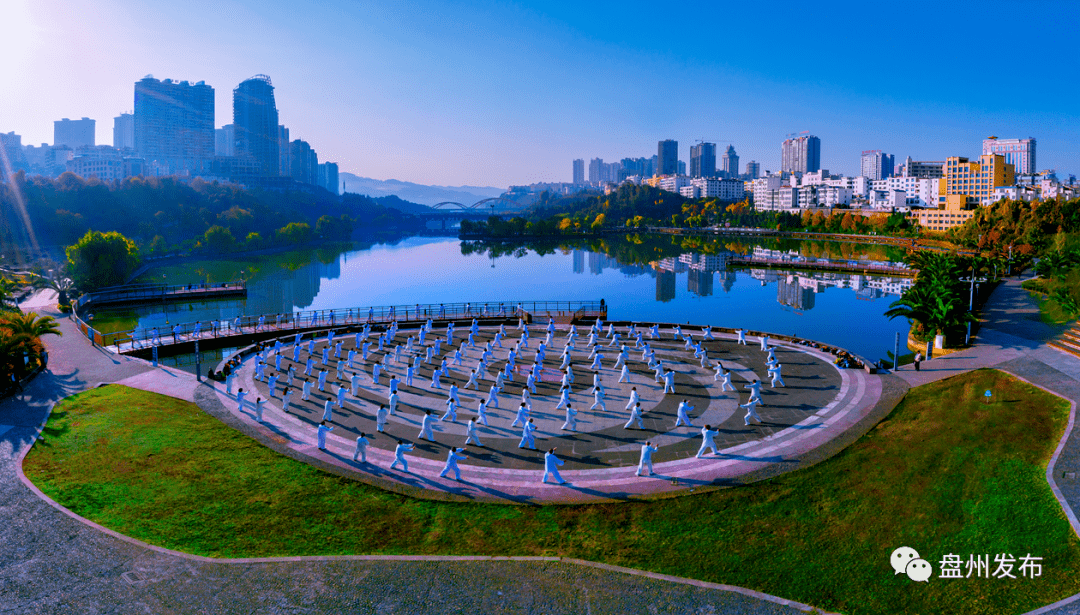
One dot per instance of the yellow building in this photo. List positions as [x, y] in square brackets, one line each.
[975, 181]
[964, 187]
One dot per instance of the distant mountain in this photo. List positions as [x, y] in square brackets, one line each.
[416, 193]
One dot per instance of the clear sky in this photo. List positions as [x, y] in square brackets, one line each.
[482, 93]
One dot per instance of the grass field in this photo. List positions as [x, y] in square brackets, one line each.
[945, 473]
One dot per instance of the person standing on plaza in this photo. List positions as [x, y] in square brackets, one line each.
[380, 419]
[750, 413]
[324, 429]
[472, 434]
[452, 458]
[682, 414]
[635, 417]
[918, 359]
[361, 448]
[571, 419]
[425, 427]
[742, 336]
[259, 409]
[551, 467]
[240, 399]
[286, 399]
[399, 455]
[707, 435]
[527, 438]
[647, 451]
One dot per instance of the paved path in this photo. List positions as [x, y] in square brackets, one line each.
[52, 562]
[818, 404]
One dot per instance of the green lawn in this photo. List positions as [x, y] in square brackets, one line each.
[945, 473]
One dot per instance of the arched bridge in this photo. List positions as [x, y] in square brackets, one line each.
[452, 211]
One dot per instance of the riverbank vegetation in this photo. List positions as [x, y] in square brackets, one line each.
[21, 350]
[162, 471]
[167, 215]
[636, 207]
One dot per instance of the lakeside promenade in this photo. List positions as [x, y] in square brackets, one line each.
[54, 563]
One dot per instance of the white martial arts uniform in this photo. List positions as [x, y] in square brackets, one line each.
[646, 459]
[361, 449]
[707, 436]
[682, 415]
[551, 467]
[452, 458]
[425, 428]
[399, 456]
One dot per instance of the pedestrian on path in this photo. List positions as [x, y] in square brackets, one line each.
[551, 467]
[259, 409]
[361, 448]
[742, 336]
[452, 458]
[918, 359]
[647, 451]
[240, 399]
[399, 455]
[231, 377]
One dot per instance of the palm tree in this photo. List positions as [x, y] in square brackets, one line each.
[7, 292]
[60, 285]
[29, 325]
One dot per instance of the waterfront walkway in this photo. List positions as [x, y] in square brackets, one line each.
[52, 561]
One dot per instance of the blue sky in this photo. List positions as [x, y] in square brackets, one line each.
[483, 93]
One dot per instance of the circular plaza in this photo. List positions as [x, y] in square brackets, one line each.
[666, 367]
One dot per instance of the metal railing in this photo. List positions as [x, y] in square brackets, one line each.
[142, 292]
[324, 319]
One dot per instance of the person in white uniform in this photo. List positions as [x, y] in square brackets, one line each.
[361, 448]
[452, 458]
[750, 413]
[528, 440]
[324, 429]
[399, 455]
[635, 417]
[707, 435]
[425, 427]
[647, 451]
[682, 414]
[380, 419]
[571, 419]
[472, 433]
[551, 467]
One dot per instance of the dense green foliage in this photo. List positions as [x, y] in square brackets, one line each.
[636, 207]
[1031, 228]
[955, 475]
[938, 302]
[20, 342]
[166, 214]
[101, 259]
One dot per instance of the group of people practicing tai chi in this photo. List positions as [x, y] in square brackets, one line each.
[426, 354]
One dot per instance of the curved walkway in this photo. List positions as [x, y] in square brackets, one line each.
[51, 562]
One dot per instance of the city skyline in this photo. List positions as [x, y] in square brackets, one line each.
[494, 94]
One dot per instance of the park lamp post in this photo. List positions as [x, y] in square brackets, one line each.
[971, 301]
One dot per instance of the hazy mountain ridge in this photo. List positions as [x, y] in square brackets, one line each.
[416, 193]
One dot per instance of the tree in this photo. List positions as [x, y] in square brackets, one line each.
[7, 292]
[295, 233]
[102, 259]
[30, 325]
[218, 239]
[60, 285]
[598, 223]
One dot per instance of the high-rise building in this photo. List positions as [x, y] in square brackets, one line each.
[579, 172]
[174, 124]
[74, 133]
[596, 166]
[284, 152]
[665, 285]
[753, 170]
[876, 165]
[123, 132]
[305, 163]
[801, 154]
[667, 157]
[1018, 152]
[225, 140]
[12, 157]
[328, 176]
[729, 163]
[703, 160]
[255, 117]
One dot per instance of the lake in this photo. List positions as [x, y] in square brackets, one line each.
[671, 279]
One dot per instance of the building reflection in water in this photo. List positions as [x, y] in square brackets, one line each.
[795, 289]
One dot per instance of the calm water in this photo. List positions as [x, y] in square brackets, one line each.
[651, 280]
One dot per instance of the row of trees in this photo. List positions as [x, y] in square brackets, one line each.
[166, 214]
